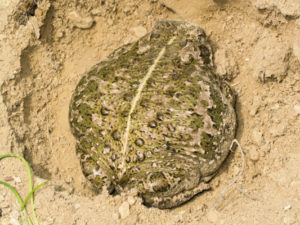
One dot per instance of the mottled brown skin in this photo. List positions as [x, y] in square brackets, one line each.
[153, 116]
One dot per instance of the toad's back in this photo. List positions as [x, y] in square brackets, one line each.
[153, 116]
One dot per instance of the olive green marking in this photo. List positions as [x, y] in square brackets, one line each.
[209, 143]
[196, 122]
[217, 112]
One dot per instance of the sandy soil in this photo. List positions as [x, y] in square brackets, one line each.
[46, 46]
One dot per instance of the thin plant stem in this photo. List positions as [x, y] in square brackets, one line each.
[31, 190]
[20, 200]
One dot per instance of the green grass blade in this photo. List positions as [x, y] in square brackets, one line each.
[26, 164]
[31, 193]
[14, 191]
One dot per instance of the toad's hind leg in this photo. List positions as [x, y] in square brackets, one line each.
[95, 170]
[176, 200]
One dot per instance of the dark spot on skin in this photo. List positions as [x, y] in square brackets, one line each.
[177, 95]
[116, 135]
[201, 36]
[114, 157]
[135, 84]
[185, 137]
[106, 149]
[141, 156]
[177, 63]
[151, 83]
[196, 121]
[102, 133]
[145, 103]
[170, 91]
[139, 142]
[135, 158]
[104, 111]
[160, 116]
[134, 115]
[171, 127]
[152, 124]
[207, 142]
[154, 36]
[137, 169]
[0, 212]
[190, 59]
[159, 182]
[175, 150]
[125, 113]
[127, 97]
[112, 166]
[88, 167]
[183, 42]
[169, 145]
[149, 153]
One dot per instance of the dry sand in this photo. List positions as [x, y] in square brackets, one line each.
[46, 47]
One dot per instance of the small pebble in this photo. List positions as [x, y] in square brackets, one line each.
[14, 221]
[287, 207]
[131, 200]
[278, 130]
[14, 218]
[290, 220]
[213, 216]
[17, 179]
[126, 10]
[96, 12]
[253, 153]
[115, 216]
[297, 109]
[124, 210]
[257, 136]
[83, 22]
[139, 31]
[180, 216]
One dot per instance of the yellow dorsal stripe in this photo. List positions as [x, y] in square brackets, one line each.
[136, 99]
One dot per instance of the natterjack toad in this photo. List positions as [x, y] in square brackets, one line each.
[155, 117]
